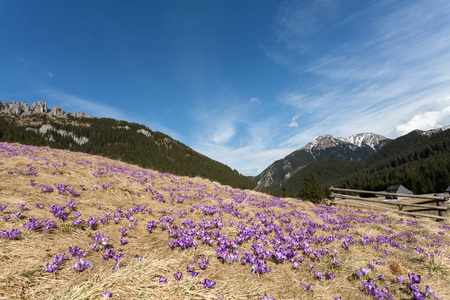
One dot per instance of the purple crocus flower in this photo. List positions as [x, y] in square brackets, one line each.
[178, 275]
[308, 287]
[318, 275]
[266, 297]
[49, 224]
[365, 271]
[162, 279]
[6, 218]
[123, 241]
[51, 267]
[208, 283]
[330, 274]
[359, 273]
[203, 266]
[122, 230]
[78, 222]
[430, 291]
[107, 294]
[81, 265]
[417, 295]
[400, 279]
[194, 273]
[414, 278]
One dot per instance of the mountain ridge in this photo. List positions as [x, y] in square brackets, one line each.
[357, 147]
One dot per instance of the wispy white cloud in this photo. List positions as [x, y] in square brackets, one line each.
[255, 100]
[432, 115]
[28, 63]
[73, 103]
[294, 121]
[50, 74]
[238, 134]
[375, 82]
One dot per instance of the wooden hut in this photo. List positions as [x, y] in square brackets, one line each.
[398, 189]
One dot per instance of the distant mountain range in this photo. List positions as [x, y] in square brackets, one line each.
[419, 160]
[128, 142]
[357, 147]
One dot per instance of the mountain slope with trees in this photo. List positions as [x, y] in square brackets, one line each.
[125, 141]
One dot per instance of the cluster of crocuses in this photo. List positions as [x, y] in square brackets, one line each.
[33, 224]
[57, 262]
[45, 188]
[415, 280]
[59, 211]
[62, 188]
[12, 233]
[371, 288]
[203, 264]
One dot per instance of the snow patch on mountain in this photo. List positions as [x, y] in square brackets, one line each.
[353, 142]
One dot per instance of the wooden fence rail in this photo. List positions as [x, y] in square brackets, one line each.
[440, 207]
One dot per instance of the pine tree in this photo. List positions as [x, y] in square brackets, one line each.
[311, 189]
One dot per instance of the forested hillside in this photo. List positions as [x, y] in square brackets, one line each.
[125, 141]
[416, 160]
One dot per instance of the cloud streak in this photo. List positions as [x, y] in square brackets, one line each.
[75, 104]
[375, 82]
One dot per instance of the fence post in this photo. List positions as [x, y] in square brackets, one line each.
[442, 213]
[331, 196]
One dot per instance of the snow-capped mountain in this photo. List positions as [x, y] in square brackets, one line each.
[433, 131]
[372, 140]
[356, 147]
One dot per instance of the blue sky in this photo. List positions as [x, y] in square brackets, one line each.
[243, 82]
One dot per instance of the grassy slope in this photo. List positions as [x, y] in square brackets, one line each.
[21, 260]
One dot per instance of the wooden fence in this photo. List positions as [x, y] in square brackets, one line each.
[439, 201]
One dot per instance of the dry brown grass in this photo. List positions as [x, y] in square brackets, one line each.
[21, 261]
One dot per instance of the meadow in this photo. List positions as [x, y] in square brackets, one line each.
[78, 226]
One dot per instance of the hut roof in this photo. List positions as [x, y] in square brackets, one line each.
[398, 189]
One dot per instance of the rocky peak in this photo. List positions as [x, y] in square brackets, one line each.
[19, 108]
[322, 142]
[369, 139]
[58, 112]
[81, 115]
[433, 131]
[4, 105]
[40, 107]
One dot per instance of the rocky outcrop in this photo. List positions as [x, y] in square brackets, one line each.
[58, 112]
[19, 108]
[48, 127]
[81, 115]
[4, 105]
[144, 132]
[126, 127]
[40, 107]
